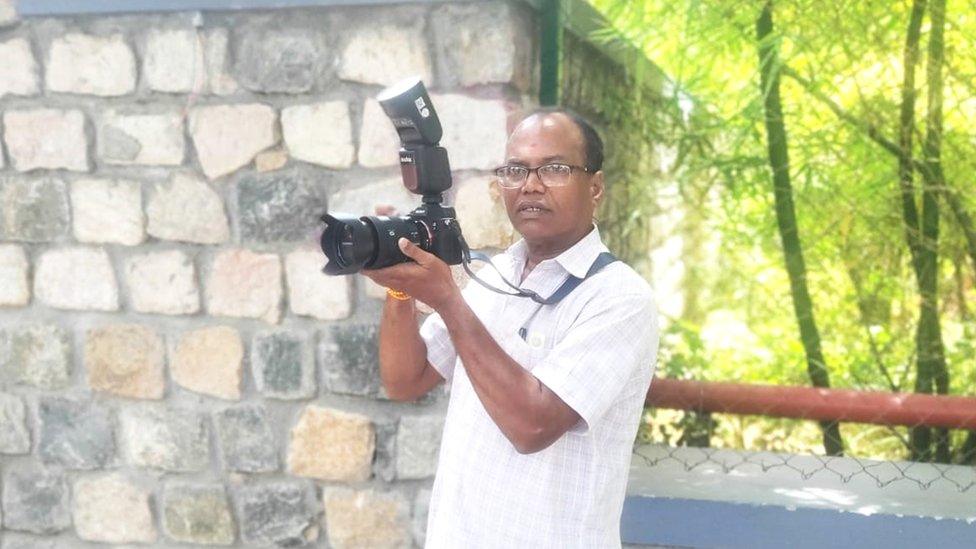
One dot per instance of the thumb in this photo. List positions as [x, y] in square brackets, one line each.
[413, 251]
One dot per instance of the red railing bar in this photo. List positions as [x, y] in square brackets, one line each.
[811, 403]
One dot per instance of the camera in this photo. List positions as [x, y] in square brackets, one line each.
[352, 243]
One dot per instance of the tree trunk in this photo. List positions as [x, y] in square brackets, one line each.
[906, 127]
[932, 370]
[921, 437]
[786, 217]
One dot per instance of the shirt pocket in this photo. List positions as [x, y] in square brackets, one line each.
[524, 352]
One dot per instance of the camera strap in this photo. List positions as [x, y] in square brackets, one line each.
[568, 286]
[572, 282]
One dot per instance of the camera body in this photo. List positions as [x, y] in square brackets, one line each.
[352, 243]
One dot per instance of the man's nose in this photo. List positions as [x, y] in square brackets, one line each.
[533, 183]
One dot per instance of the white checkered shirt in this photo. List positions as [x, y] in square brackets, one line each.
[596, 349]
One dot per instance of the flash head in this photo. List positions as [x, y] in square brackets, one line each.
[413, 115]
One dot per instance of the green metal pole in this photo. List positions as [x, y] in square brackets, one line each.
[550, 52]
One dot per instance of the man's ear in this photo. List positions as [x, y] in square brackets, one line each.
[596, 187]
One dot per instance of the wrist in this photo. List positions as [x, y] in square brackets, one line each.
[451, 306]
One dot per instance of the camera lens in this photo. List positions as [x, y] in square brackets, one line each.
[389, 231]
[355, 243]
[349, 242]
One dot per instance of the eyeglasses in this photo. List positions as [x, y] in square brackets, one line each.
[552, 175]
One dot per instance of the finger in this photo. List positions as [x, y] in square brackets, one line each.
[414, 252]
[395, 275]
[385, 209]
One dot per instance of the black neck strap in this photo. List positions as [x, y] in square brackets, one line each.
[568, 286]
[572, 282]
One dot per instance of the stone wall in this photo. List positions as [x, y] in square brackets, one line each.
[174, 369]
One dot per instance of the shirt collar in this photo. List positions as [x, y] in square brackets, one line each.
[577, 260]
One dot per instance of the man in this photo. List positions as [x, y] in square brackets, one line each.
[545, 399]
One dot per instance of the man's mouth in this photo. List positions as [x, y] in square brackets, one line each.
[532, 208]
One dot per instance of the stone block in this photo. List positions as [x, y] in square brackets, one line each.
[244, 284]
[349, 360]
[198, 514]
[35, 501]
[91, 65]
[481, 212]
[75, 434]
[384, 55]
[475, 130]
[246, 439]
[38, 355]
[162, 283]
[280, 207]
[33, 210]
[384, 464]
[76, 278]
[165, 438]
[319, 133]
[366, 518]
[333, 445]
[48, 139]
[107, 211]
[26, 541]
[187, 209]
[15, 437]
[18, 72]
[283, 365]
[125, 360]
[421, 508]
[209, 361]
[313, 293]
[418, 443]
[378, 139]
[272, 160]
[277, 61]
[228, 137]
[219, 80]
[144, 139]
[173, 61]
[373, 290]
[277, 513]
[112, 509]
[14, 284]
[481, 44]
[362, 200]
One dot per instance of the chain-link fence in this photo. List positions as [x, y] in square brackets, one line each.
[729, 427]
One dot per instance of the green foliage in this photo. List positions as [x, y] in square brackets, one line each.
[742, 327]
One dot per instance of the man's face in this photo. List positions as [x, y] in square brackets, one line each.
[551, 216]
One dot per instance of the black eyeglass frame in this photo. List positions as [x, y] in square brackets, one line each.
[499, 172]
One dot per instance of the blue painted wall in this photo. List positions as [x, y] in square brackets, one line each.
[698, 523]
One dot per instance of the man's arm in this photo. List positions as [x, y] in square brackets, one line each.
[404, 369]
[528, 413]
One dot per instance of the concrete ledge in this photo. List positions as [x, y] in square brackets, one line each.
[690, 497]
[61, 7]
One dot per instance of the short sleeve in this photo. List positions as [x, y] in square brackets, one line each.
[610, 342]
[440, 349]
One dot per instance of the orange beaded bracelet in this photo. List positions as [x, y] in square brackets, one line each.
[396, 294]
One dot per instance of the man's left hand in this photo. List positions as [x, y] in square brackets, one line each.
[427, 278]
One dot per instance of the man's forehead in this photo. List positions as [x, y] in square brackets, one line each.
[554, 136]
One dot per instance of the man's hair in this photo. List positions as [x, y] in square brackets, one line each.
[592, 144]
